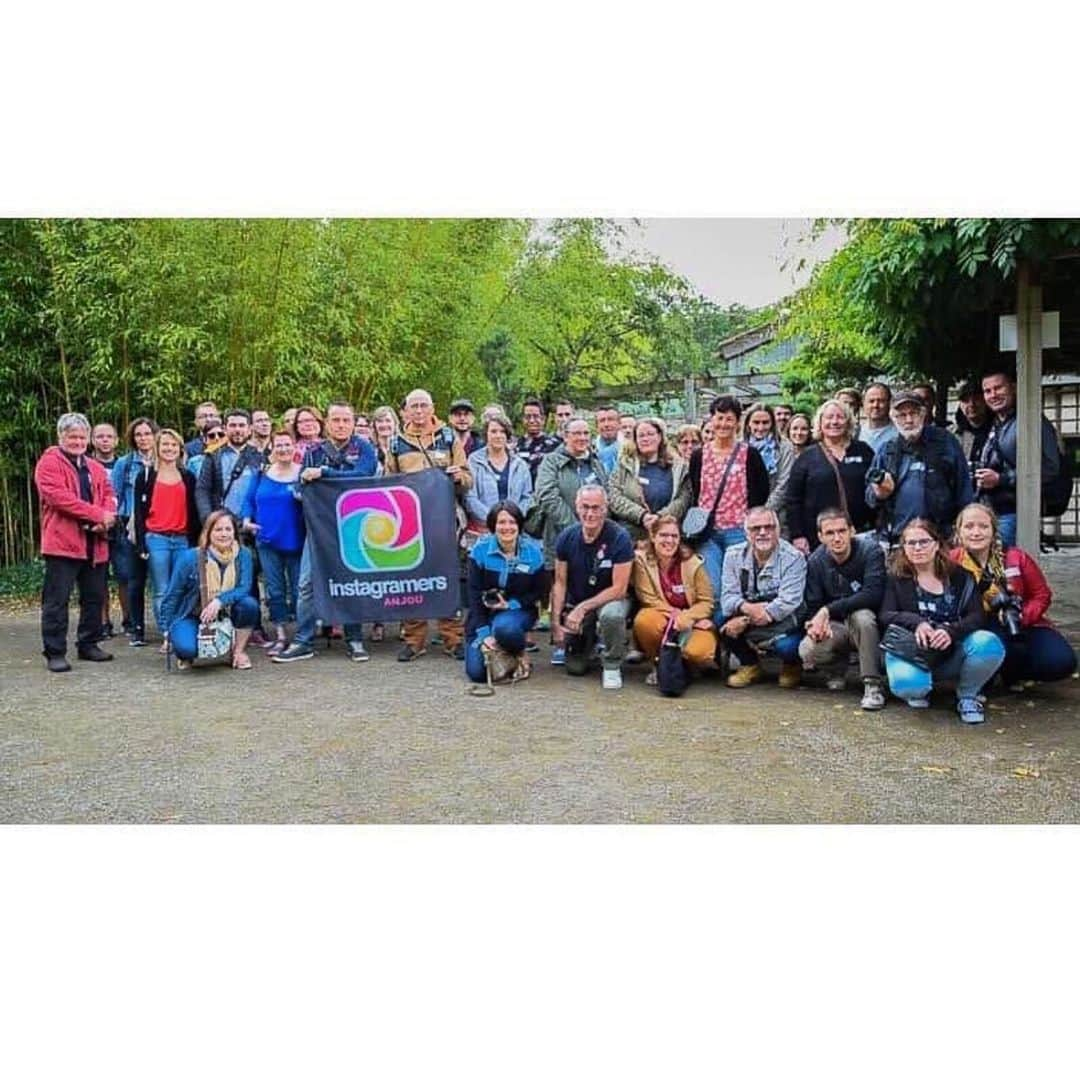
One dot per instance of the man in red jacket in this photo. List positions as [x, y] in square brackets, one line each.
[78, 507]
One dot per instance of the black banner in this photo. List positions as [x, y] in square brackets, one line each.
[383, 549]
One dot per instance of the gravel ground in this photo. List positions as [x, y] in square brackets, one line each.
[331, 741]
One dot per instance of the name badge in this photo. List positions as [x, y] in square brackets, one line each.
[1012, 571]
[918, 466]
[522, 568]
[605, 564]
[678, 589]
[643, 480]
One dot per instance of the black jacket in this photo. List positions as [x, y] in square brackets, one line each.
[846, 587]
[812, 488]
[210, 485]
[901, 604]
[144, 493]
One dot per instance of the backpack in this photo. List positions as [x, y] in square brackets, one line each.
[1057, 493]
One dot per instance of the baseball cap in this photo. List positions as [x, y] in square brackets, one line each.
[907, 397]
[460, 404]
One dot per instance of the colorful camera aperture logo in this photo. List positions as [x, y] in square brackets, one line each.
[379, 529]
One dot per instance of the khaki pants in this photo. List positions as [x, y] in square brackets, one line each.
[415, 632]
[649, 625]
[859, 629]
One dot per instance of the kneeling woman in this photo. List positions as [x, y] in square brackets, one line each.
[669, 578]
[1013, 588]
[931, 596]
[228, 570]
[506, 582]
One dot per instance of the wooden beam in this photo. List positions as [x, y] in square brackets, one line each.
[1028, 408]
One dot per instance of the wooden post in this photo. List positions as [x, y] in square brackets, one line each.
[1028, 408]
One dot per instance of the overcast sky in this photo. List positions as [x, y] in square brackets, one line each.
[734, 260]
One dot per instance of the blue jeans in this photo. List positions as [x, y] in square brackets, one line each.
[164, 551]
[1040, 654]
[712, 554]
[185, 632]
[508, 628]
[305, 606]
[971, 664]
[1007, 525]
[282, 571]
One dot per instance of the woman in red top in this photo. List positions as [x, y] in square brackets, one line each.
[1014, 591]
[166, 519]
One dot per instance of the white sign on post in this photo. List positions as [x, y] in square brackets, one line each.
[1051, 331]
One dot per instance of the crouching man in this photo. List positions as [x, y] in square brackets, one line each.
[589, 599]
[845, 584]
[760, 600]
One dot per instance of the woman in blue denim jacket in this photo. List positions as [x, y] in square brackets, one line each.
[498, 476]
[228, 590]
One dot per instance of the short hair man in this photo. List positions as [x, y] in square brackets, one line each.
[845, 584]
[341, 454]
[761, 596]
[607, 436]
[920, 472]
[226, 474]
[852, 399]
[78, 508]
[926, 393]
[205, 411]
[593, 560]
[878, 427]
[535, 444]
[425, 443]
[564, 412]
[462, 415]
[561, 473]
[973, 421]
[783, 413]
[996, 475]
[262, 427]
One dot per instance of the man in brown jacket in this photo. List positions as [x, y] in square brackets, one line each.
[426, 443]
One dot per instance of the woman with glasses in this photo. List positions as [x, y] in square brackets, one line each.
[687, 439]
[1015, 597]
[648, 480]
[928, 594]
[670, 580]
[310, 429]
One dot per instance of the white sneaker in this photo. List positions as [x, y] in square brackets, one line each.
[612, 679]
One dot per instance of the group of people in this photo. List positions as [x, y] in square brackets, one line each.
[864, 528]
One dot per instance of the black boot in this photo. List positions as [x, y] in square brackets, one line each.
[94, 652]
[57, 663]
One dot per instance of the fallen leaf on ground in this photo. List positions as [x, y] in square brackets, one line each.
[999, 731]
[1000, 708]
[936, 768]
[1027, 772]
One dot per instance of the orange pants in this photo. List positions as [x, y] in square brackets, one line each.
[415, 631]
[649, 625]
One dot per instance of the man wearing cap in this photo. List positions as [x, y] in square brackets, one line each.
[973, 421]
[921, 472]
[462, 415]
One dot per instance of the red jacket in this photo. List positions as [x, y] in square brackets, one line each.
[63, 512]
[1024, 579]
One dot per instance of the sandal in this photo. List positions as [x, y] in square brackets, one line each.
[242, 662]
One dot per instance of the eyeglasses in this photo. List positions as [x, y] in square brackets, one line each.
[215, 434]
[760, 528]
[919, 543]
[591, 509]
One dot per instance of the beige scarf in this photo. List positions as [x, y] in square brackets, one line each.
[216, 581]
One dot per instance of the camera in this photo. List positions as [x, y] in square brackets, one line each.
[875, 476]
[1008, 609]
[491, 597]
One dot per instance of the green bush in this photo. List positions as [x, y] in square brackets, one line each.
[23, 580]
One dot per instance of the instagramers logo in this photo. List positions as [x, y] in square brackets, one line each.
[379, 529]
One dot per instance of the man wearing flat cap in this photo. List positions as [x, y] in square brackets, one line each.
[920, 472]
